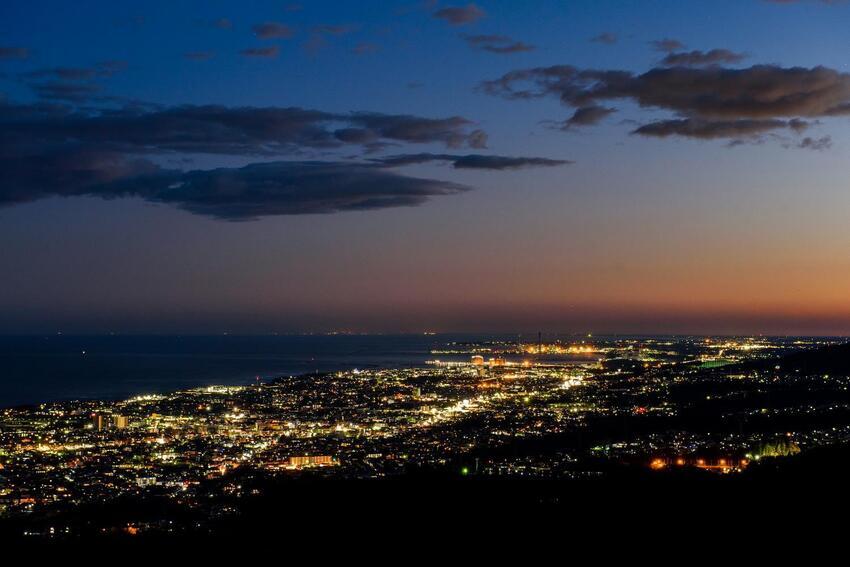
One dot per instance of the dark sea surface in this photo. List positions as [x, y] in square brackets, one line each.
[37, 369]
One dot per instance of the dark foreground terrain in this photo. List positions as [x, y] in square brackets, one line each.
[800, 493]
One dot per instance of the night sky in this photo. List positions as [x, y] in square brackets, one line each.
[652, 166]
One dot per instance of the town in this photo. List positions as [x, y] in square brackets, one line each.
[509, 410]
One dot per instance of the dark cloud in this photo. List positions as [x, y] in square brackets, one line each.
[451, 131]
[272, 30]
[515, 47]
[224, 130]
[356, 135]
[842, 109]
[243, 131]
[460, 15]
[268, 52]
[760, 97]
[500, 44]
[800, 126]
[472, 161]
[587, 116]
[57, 150]
[605, 38]
[667, 45]
[67, 91]
[14, 53]
[246, 193]
[817, 144]
[223, 24]
[65, 171]
[72, 84]
[477, 139]
[282, 188]
[700, 58]
[709, 129]
[64, 73]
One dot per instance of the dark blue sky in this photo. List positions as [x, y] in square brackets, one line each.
[613, 182]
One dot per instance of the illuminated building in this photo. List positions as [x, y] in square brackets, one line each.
[310, 461]
[478, 363]
[725, 465]
[97, 421]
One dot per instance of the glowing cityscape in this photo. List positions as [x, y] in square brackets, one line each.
[591, 409]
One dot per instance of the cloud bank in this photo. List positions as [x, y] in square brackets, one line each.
[49, 150]
[280, 188]
[707, 102]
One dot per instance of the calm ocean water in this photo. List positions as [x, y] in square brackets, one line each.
[36, 369]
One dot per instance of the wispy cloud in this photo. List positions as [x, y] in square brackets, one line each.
[472, 161]
[460, 15]
[500, 44]
[700, 58]
[272, 30]
[267, 52]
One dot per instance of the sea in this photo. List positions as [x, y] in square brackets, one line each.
[36, 369]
